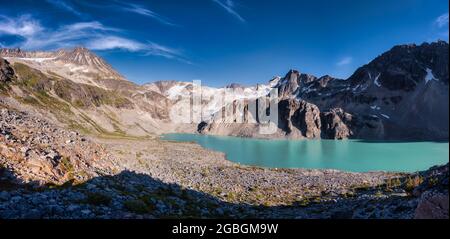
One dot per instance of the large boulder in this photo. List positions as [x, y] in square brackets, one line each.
[334, 124]
[432, 205]
[433, 194]
[307, 119]
[299, 118]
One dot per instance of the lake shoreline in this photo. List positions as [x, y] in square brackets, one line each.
[277, 193]
[345, 155]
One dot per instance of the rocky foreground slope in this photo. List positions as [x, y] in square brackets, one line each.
[49, 172]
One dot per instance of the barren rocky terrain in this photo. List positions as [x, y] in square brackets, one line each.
[50, 172]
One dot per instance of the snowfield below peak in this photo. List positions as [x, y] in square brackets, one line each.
[212, 98]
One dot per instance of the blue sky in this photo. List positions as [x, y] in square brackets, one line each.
[224, 41]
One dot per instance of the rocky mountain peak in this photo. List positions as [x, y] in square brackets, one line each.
[289, 84]
[83, 56]
[11, 52]
[405, 66]
[324, 80]
[292, 75]
[81, 49]
[78, 64]
[234, 86]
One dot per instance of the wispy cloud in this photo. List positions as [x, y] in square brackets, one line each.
[164, 51]
[65, 5]
[23, 26]
[344, 61]
[114, 42]
[442, 20]
[147, 48]
[94, 25]
[135, 8]
[93, 35]
[229, 6]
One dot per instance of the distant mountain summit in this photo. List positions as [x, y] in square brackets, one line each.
[234, 86]
[404, 67]
[83, 56]
[12, 52]
[19, 53]
[78, 64]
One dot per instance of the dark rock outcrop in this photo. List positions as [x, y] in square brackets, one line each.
[307, 117]
[405, 66]
[202, 126]
[433, 194]
[299, 118]
[6, 72]
[335, 124]
[432, 205]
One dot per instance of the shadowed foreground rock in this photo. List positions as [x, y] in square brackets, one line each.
[432, 205]
[433, 193]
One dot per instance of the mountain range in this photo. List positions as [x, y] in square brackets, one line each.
[400, 95]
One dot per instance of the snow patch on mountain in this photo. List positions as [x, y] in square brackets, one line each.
[39, 59]
[385, 116]
[177, 90]
[376, 82]
[375, 107]
[429, 77]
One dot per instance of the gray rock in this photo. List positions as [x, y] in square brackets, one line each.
[33, 214]
[5, 196]
[432, 205]
[86, 211]
[16, 199]
[73, 207]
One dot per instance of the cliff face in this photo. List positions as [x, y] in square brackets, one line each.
[297, 119]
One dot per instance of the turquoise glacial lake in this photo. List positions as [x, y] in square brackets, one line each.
[347, 155]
